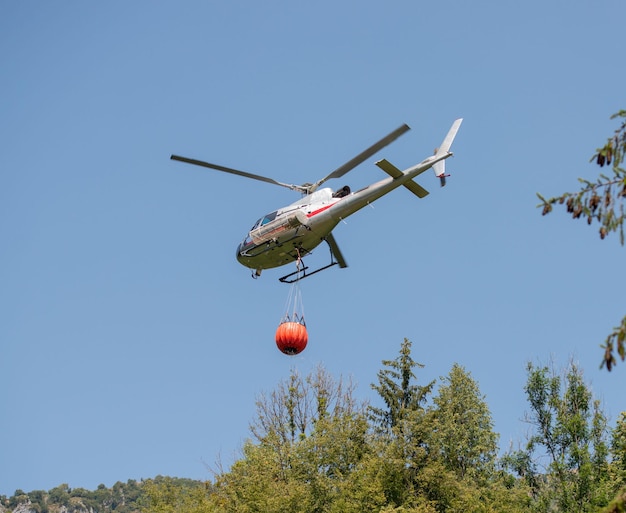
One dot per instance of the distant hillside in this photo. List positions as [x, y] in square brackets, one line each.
[120, 498]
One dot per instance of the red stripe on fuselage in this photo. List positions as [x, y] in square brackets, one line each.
[315, 212]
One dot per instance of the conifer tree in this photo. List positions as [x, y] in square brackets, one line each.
[397, 392]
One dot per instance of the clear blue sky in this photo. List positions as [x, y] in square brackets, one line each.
[131, 341]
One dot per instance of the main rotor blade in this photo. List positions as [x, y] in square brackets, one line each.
[235, 172]
[363, 156]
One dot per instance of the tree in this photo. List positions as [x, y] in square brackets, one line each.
[311, 435]
[397, 392]
[291, 410]
[60, 495]
[438, 457]
[618, 464]
[313, 450]
[462, 434]
[400, 428]
[170, 495]
[570, 429]
[602, 201]
[618, 448]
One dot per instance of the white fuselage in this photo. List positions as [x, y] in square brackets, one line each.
[293, 231]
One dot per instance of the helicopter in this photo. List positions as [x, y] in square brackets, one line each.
[290, 233]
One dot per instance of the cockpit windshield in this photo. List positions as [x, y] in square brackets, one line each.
[264, 220]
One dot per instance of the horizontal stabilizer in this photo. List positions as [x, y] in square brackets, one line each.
[416, 189]
[394, 172]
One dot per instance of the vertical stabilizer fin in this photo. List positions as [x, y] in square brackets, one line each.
[440, 167]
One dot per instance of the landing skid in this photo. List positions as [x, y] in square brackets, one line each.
[336, 258]
[301, 273]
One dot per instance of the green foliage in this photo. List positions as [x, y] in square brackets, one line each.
[315, 449]
[438, 457]
[602, 201]
[169, 495]
[291, 410]
[311, 437]
[617, 505]
[126, 497]
[462, 429]
[396, 390]
[570, 433]
[413, 457]
[618, 453]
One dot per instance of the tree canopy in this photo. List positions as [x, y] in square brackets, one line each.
[420, 448]
[314, 447]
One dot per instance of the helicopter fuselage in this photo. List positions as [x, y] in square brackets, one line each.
[290, 233]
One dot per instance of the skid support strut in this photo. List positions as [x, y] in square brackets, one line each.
[302, 273]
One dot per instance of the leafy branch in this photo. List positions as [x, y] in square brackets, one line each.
[602, 201]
